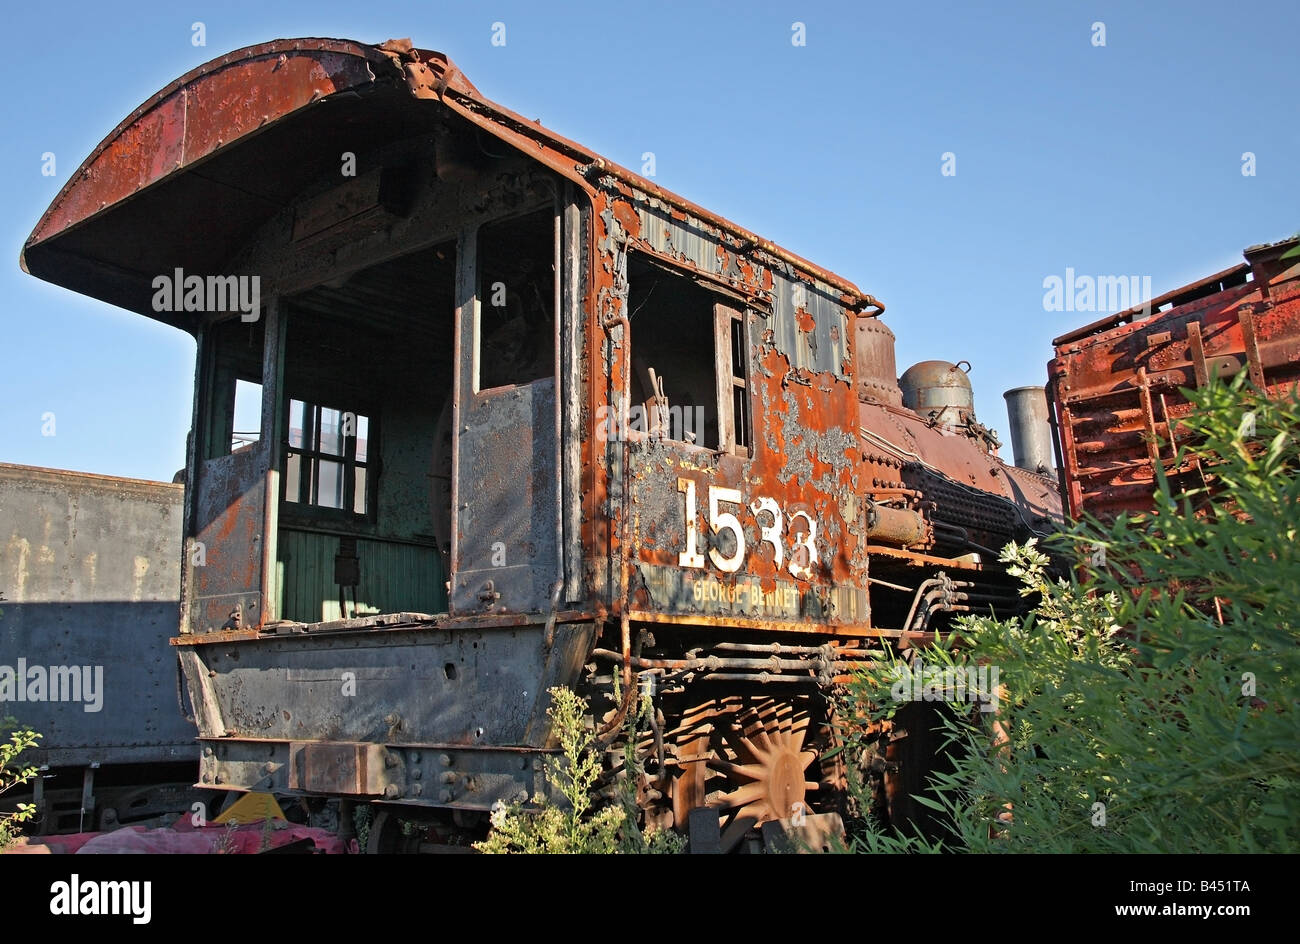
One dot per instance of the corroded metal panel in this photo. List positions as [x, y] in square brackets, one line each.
[506, 477]
[750, 537]
[684, 239]
[225, 591]
[197, 114]
[1115, 386]
[809, 325]
[89, 572]
[505, 523]
[350, 768]
[427, 682]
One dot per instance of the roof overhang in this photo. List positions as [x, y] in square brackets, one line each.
[186, 180]
[192, 174]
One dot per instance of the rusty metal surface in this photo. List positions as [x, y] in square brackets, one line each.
[349, 767]
[875, 370]
[937, 385]
[1230, 277]
[1115, 389]
[109, 231]
[507, 498]
[814, 506]
[748, 758]
[208, 107]
[451, 776]
[226, 592]
[427, 684]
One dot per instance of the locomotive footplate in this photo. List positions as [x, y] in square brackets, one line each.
[454, 776]
[446, 713]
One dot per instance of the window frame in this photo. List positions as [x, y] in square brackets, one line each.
[728, 310]
[222, 370]
[731, 328]
[312, 455]
[556, 210]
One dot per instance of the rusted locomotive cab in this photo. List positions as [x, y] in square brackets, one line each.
[526, 419]
[1114, 384]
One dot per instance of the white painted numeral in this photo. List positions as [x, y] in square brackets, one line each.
[771, 535]
[725, 520]
[691, 557]
[803, 556]
[803, 551]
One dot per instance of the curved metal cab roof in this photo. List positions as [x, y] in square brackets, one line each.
[189, 177]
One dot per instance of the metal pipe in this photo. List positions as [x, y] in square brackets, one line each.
[775, 648]
[947, 590]
[967, 542]
[621, 320]
[895, 525]
[988, 597]
[548, 637]
[926, 602]
[917, 599]
[1031, 431]
[764, 677]
[963, 537]
[1053, 421]
[951, 608]
[891, 586]
[615, 722]
[657, 727]
[904, 492]
[961, 534]
[717, 662]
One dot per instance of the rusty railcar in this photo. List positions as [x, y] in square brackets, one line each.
[1114, 384]
[89, 596]
[521, 418]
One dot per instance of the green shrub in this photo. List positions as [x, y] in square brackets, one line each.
[579, 822]
[1149, 701]
[11, 775]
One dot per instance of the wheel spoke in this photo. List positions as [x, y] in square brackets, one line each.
[758, 760]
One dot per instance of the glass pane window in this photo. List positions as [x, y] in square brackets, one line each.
[248, 415]
[293, 477]
[331, 431]
[329, 484]
[326, 461]
[359, 491]
[297, 423]
[363, 436]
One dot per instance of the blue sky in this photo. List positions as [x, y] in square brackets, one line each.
[1122, 159]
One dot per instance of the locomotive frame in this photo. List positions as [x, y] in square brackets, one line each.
[473, 474]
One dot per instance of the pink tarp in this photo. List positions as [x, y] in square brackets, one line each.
[184, 839]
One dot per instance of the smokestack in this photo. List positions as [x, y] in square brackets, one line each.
[1031, 433]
